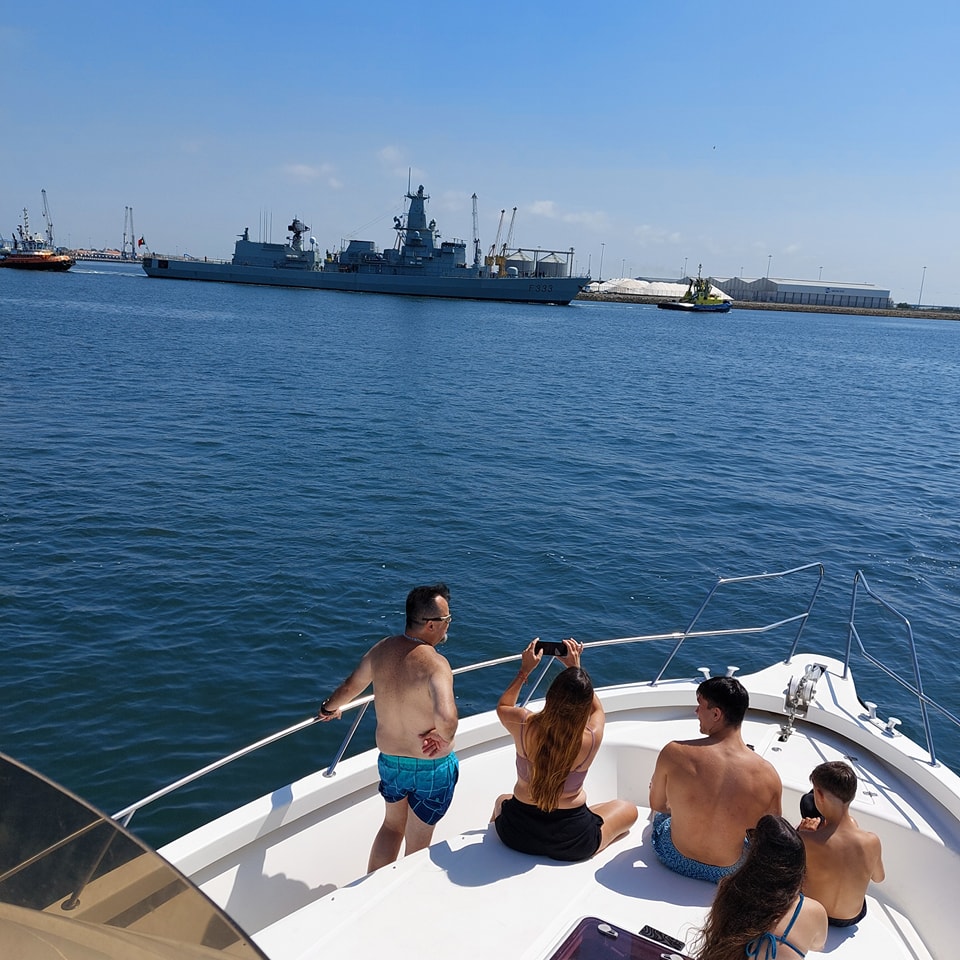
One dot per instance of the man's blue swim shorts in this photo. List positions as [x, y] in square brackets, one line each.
[427, 784]
[671, 857]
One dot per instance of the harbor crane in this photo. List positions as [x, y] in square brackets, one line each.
[47, 218]
[496, 243]
[476, 234]
[509, 244]
[132, 253]
[498, 254]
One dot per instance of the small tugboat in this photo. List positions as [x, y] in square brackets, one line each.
[698, 298]
[37, 252]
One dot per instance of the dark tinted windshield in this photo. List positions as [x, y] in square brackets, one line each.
[73, 867]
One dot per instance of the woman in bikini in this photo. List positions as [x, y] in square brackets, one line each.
[759, 911]
[547, 813]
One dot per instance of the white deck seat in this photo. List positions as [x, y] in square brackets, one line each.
[413, 904]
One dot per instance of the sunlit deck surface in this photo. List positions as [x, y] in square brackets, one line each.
[416, 907]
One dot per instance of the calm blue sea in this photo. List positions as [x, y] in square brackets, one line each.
[214, 498]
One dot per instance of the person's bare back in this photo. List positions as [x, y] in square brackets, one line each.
[716, 791]
[716, 788]
[416, 723]
[842, 859]
[413, 686]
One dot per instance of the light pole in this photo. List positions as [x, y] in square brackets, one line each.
[623, 266]
[769, 258]
[920, 297]
[600, 278]
[820, 275]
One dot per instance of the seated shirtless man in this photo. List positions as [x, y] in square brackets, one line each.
[842, 859]
[707, 793]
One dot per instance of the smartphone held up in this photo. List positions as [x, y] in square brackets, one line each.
[552, 648]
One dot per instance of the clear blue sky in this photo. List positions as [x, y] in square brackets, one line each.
[737, 135]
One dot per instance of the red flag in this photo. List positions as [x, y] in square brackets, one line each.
[141, 242]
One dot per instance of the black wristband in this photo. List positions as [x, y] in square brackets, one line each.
[325, 711]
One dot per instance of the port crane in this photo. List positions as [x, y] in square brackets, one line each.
[498, 255]
[132, 253]
[48, 219]
[476, 234]
[509, 244]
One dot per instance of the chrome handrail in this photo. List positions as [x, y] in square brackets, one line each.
[752, 578]
[125, 815]
[916, 688]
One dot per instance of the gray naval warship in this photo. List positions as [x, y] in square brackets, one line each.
[419, 265]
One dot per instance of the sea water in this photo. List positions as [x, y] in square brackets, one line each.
[214, 498]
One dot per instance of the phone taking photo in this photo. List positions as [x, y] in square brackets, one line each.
[552, 648]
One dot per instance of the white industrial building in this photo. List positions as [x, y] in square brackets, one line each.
[770, 290]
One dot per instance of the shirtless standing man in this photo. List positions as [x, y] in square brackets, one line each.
[416, 723]
[708, 793]
[842, 859]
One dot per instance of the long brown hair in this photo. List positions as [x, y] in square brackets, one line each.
[559, 734]
[751, 901]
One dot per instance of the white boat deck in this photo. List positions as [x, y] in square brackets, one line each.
[417, 905]
[286, 866]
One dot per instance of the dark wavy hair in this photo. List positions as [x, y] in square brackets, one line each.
[559, 734]
[751, 901]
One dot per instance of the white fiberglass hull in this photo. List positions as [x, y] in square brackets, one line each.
[289, 867]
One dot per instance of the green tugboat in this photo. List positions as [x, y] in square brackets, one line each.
[698, 298]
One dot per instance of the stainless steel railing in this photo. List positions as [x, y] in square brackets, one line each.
[800, 618]
[125, 815]
[915, 687]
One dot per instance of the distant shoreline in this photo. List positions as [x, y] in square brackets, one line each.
[905, 312]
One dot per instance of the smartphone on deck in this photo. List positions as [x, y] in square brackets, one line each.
[552, 648]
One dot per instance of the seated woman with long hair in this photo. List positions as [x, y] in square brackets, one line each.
[547, 813]
[759, 911]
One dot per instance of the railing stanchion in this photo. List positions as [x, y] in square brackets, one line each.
[332, 769]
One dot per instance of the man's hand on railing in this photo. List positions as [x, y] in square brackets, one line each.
[325, 714]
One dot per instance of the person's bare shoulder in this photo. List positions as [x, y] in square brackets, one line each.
[382, 648]
[767, 769]
[671, 752]
[767, 780]
[871, 843]
[815, 915]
